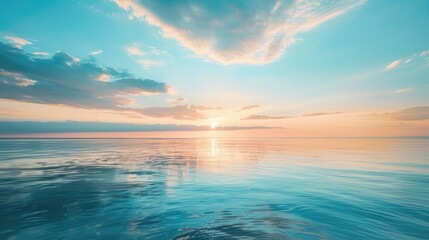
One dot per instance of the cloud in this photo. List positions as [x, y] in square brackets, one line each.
[148, 63]
[264, 117]
[31, 127]
[249, 107]
[393, 65]
[40, 53]
[178, 101]
[404, 90]
[406, 114]
[96, 52]
[180, 112]
[19, 42]
[67, 80]
[240, 31]
[320, 114]
[416, 57]
[135, 50]
[156, 51]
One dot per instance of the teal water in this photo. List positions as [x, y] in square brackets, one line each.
[214, 188]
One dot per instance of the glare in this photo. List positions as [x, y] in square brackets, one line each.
[214, 125]
[213, 147]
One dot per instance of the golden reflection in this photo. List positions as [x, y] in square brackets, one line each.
[213, 147]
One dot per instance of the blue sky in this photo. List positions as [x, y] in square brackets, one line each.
[365, 61]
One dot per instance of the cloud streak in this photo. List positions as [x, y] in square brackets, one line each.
[19, 42]
[248, 107]
[418, 113]
[245, 32]
[97, 52]
[320, 114]
[421, 56]
[264, 117]
[404, 90]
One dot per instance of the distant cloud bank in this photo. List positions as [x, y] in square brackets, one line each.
[264, 117]
[31, 127]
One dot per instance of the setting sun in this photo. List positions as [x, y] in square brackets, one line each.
[227, 119]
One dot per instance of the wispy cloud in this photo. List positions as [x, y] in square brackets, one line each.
[135, 50]
[247, 32]
[320, 114]
[264, 117]
[404, 90]
[18, 42]
[393, 64]
[148, 63]
[178, 101]
[249, 107]
[40, 53]
[406, 114]
[97, 52]
[423, 56]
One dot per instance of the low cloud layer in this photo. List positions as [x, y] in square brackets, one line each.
[407, 114]
[239, 31]
[31, 127]
[264, 117]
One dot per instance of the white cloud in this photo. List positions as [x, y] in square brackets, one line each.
[135, 50]
[393, 65]
[148, 63]
[19, 42]
[40, 53]
[404, 90]
[416, 57]
[247, 32]
[97, 52]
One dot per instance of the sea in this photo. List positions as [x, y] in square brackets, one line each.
[256, 188]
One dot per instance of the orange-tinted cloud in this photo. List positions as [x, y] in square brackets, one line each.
[264, 117]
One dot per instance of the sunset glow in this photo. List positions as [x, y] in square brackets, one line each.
[214, 119]
[273, 69]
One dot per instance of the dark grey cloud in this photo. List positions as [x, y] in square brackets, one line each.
[64, 79]
[406, 114]
[264, 117]
[31, 127]
[319, 114]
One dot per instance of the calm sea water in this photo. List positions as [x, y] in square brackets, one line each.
[214, 189]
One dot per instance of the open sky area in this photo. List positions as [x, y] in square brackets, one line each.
[145, 68]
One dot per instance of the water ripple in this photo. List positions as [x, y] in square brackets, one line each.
[214, 189]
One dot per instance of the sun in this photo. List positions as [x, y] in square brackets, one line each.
[214, 125]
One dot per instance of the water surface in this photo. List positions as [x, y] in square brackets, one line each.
[214, 188]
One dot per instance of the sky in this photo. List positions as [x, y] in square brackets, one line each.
[238, 68]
